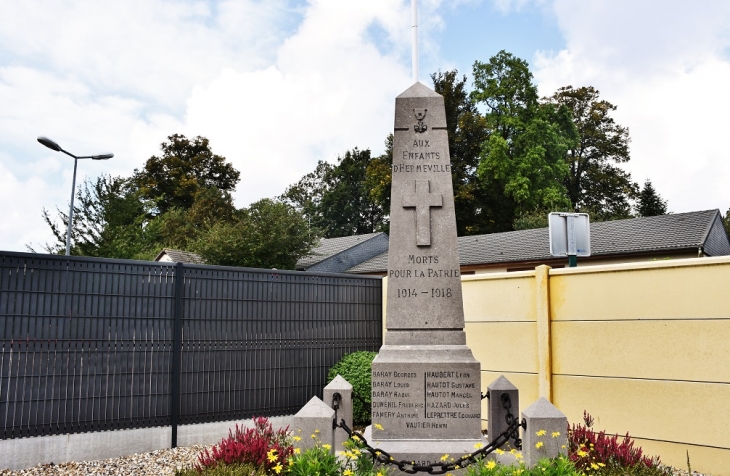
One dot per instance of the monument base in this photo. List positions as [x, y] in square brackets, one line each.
[425, 452]
[426, 392]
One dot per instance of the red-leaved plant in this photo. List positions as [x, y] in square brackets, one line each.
[260, 446]
[589, 450]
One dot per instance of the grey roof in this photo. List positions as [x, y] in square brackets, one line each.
[179, 256]
[331, 246]
[675, 232]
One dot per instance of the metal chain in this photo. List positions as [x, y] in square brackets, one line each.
[408, 467]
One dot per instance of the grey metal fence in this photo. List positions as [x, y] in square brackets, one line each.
[92, 344]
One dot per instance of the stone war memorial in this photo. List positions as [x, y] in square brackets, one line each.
[426, 384]
[425, 381]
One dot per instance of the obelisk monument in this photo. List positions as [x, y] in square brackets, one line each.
[425, 380]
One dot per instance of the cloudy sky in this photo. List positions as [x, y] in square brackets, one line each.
[276, 85]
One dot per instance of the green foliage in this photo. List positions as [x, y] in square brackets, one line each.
[531, 220]
[268, 234]
[594, 185]
[649, 203]
[110, 220]
[335, 198]
[316, 460]
[560, 466]
[356, 368]
[378, 178]
[523, 155]
[726, 222]
[185, 166]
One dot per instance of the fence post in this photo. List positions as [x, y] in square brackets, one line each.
[544, 354]
[176, 347]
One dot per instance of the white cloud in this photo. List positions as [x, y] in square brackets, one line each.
[330, 90]
[273, 88]
[665, 66]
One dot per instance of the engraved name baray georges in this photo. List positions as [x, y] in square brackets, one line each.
[443, 396]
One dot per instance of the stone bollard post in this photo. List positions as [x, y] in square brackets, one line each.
[546, 433]
[339, 393]
[496, 412]
[313, 424]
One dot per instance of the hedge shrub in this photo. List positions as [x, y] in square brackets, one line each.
[356, 368]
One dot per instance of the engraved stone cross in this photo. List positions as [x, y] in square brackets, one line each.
[422, 200]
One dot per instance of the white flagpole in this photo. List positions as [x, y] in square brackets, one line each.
[414, 39]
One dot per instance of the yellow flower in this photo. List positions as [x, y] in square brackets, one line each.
[314, 436]
[491, 464]
[563, 447]
[327, 447]
[278, 468]
[518, 455]
[271, 455]
[478, 445]
[380, 473]
[297, 451]
[541, 433]
[347, 472]
[601, 465]
[499, 451]
[582, 453]
[444, 457]
[297, 438]
[594, 466]
[378, 453]
[538, 444]
[555, 434]
[378, 426]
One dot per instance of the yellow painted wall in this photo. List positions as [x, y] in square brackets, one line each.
[644, 347]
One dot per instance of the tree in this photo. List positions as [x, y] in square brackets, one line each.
[594, 184]
[478, 209]
[649, 203]
[726, 222]
[110, 220]
[185, 166]
[523, 155]
[378, 178]
[335, 198]
[268, 234]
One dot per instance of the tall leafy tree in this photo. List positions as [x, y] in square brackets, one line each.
[172, 179]
[595, 184]
[335, 198]
[523, 155]
[268, 234]
[378, 178]
[649, 203]
[110, 220]
[479, 209]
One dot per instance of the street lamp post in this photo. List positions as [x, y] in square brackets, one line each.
[54, 146]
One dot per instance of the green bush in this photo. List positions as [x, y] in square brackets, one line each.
[356, 368]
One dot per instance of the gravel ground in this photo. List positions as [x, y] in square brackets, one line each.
[156, 463]
[160, 462]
